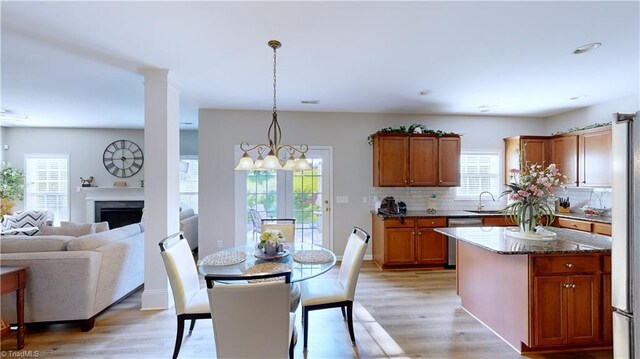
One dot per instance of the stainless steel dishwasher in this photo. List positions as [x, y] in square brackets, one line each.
[451, 242]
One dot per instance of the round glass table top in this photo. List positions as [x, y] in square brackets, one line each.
[248, 260]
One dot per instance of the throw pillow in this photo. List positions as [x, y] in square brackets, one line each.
[27, 220]
[100, 227]
[68, 230]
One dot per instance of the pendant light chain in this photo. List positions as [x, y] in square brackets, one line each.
[274, 79]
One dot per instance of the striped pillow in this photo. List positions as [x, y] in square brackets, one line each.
[26, 222]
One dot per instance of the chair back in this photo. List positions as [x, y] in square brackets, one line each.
[256, 221]
[286, 225]
[252, 319]
[352, 261]
[181, 269]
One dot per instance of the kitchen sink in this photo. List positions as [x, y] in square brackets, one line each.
[482, 211]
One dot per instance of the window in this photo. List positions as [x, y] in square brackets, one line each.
[47, 178]
[478, 172]
[189, 181]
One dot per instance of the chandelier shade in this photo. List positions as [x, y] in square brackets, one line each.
[274, 148]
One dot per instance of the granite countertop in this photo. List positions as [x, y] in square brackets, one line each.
[459, 213]
[496, 240]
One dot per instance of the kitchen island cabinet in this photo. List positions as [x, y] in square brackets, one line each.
[549, 296]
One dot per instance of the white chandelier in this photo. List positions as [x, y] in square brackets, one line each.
[274, 134]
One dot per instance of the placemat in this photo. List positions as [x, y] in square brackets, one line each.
[267, 268]
[224, 258]
[313, 256]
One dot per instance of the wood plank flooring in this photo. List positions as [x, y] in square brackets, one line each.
[406, 314]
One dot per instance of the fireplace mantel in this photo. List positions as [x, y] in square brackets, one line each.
[94, 194]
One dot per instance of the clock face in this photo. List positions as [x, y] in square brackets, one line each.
[123, 158]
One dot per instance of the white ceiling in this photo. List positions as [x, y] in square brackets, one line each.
[73, 64]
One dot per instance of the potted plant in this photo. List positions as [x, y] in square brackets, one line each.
[269, 241]
[529, 190]
[11, 187]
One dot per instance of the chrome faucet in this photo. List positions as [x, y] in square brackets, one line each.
[480, 205]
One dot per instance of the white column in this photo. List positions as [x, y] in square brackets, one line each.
[161, 171]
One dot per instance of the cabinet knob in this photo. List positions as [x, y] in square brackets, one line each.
[575, 225]
[573, 286]
[419, 233]
[569, 265]
[567, 285]
[405, 181]
[411, 181]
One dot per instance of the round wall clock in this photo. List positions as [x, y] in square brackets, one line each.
[123, 158]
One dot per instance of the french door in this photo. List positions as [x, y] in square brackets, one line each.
[303, 195]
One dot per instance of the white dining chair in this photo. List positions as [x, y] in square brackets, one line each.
[286, 225]
[252, 318]
[320, 293]
[191, 301]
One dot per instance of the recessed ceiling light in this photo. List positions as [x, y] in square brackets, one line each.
[578, 97]
[310, 102]
[425, 92]
[586, 48]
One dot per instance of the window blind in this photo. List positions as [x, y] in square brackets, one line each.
[48, 184]
[478, 172]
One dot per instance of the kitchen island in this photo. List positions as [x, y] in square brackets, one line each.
[546, 296]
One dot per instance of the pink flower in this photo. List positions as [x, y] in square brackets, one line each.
[514, 171]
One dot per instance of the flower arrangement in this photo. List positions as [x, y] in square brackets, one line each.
[271, 237]
[530, 188]
[11, 187]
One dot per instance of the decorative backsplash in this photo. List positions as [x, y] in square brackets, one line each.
[416, 198]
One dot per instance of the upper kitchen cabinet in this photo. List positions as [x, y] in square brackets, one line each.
[416, 160]
[564, 153]
[594, 158]
[449, 161]
[536, 150]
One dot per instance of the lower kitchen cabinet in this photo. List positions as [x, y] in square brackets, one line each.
[567, 298]
[411, 243]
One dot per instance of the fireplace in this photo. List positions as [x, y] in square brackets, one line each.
[118, 213]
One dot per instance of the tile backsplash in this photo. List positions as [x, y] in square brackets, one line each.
[416, 198]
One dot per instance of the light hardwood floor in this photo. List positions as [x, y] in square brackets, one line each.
[406, 314]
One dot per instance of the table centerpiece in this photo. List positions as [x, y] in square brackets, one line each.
[528, 192]
[271, 241]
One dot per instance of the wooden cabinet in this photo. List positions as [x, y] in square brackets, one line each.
[594, 157]
[416, 160]
[497, 221]
[564, 153]
[536, 150]
[565, 299]
[585, 226]
[411, 243]
[449, 161]
[607, 309]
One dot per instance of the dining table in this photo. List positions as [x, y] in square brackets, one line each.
[304, 260]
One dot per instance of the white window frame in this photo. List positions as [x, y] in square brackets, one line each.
[27, 156]
[499, 174]
[191, 157]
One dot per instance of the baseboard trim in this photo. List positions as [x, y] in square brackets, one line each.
[155, 299]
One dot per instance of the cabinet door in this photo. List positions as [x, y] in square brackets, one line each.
[549, 310]
[535, 151]
[595, 159]
[449, 161]
[583, 309]
[431, 247]
[400, 245]
[607, 310]
[497, 221]
[423, 157]
[393, 161]
[564, 153]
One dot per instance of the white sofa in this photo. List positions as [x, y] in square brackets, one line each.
[74, 278]
[189, 226]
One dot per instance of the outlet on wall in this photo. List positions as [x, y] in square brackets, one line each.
[342, 199]
[219, 244]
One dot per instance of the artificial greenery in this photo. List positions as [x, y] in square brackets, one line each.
[410, 129]
[575, 129]
[11, 187]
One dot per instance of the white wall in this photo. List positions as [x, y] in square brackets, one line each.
[85, 148]
[593, 114]
[221, 130]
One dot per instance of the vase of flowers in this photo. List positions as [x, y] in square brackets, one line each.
[269, 241]
[529, 190]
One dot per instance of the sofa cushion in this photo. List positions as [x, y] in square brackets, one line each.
[26, 219]
[93, 241]
[186, 213]
[75, 230]
[100, 226]
[22, 243]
